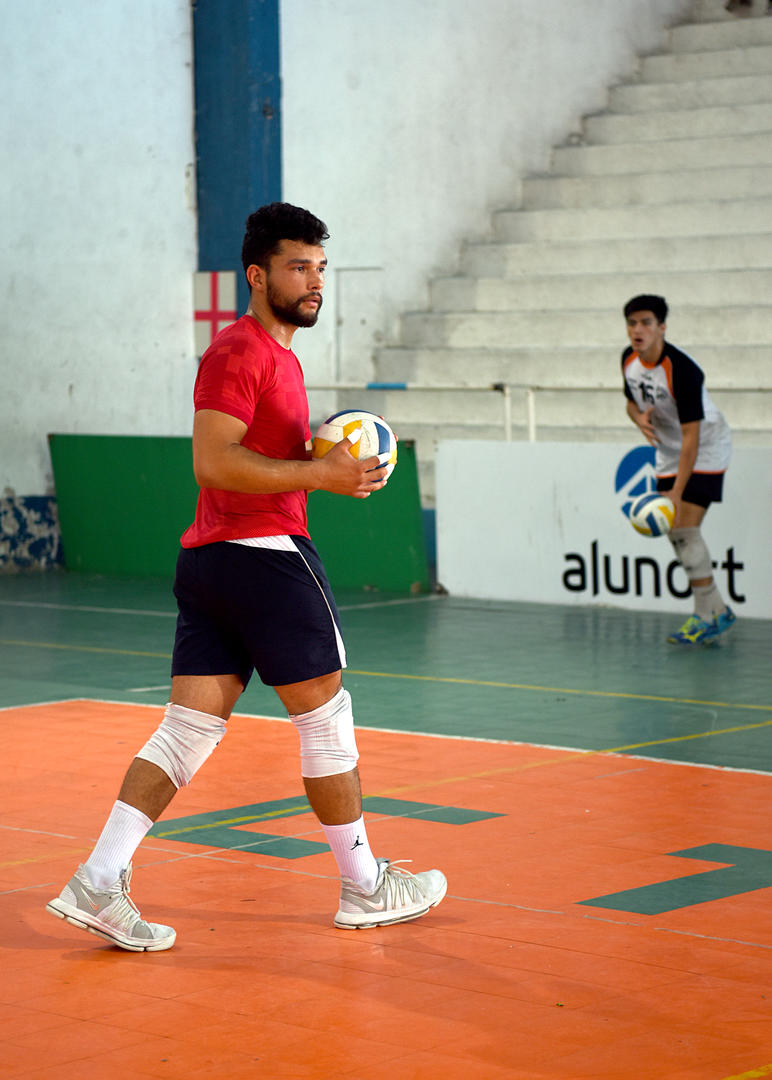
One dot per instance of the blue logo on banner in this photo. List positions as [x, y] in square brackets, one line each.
[635, 476]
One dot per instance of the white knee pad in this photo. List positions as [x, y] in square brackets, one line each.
[183, 741]
[692, 552]
[327, 742]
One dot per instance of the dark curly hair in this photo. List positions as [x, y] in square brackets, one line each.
[657, 305]
[271, 224]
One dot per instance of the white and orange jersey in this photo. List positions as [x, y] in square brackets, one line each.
[675, 386]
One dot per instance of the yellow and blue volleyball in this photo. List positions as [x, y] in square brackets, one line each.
[376, 438]
[652, 514]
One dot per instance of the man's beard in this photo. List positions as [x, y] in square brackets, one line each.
[290, 312]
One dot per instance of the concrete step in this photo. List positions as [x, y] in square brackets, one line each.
[741, 366]
[697, 94]
[564, 292]
[701, 218]
[669, 192]
[748, 409]
[405, 408]
[739, 31]
[715, 11]
[646, 188]
[715, 120]
[697, 153]
[716, 326]
[645, 253]
[684, 67]
[427, 436]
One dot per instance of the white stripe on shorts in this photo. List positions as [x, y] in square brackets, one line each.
[275, 543]
[286, 543]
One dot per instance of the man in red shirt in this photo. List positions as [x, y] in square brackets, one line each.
[253, 595]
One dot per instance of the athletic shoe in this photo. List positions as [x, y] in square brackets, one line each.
[722, 622]
[110, 914]
[694, 631]
[397, 897]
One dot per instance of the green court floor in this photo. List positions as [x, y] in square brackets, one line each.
[586, 678]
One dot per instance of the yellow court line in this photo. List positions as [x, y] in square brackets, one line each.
[569, 755]
[685, 738]
[439, 679]
[287, 811]
[82, 648]
[762, 1070]
[559, 690]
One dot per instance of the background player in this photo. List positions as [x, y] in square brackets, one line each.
[668, 401]
[252, 595]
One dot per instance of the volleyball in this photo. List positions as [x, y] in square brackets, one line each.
[652, 514]
[376, 438]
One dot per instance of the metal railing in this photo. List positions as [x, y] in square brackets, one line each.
[529, 390]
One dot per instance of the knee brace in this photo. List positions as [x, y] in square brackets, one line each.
[183, 741]
[327, 742]
[692, 553]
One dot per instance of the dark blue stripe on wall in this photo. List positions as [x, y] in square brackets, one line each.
[238, 123]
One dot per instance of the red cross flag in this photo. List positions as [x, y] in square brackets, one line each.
[214, 300]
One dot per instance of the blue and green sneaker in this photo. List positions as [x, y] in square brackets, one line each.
[722, 622]
[694, 631]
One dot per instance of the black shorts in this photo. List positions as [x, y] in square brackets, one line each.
[247, 608]
[701, 488]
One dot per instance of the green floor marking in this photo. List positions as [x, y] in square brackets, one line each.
[217, 829]
[450, 815]
[749, 869]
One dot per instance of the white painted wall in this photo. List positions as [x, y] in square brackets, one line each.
[405, 124]
[97, 219]
[556, 537]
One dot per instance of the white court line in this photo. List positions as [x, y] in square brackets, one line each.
[84, 607]
[173, 614]
[390, 603]
[576, 750]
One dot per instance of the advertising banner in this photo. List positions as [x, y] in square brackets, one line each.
[547, 522]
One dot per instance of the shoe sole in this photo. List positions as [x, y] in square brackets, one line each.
[370, 922]
[77, 918]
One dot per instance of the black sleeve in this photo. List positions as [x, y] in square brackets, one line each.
[688, 380]
[625, 355]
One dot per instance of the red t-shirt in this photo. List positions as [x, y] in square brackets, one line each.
[247, 374]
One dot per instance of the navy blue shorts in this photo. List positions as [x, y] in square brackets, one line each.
[701, 488]
[246, 608]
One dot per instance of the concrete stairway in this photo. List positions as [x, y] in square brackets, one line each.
[668, 191]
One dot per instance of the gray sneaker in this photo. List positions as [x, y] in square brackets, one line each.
[397, 897]
[110, 914]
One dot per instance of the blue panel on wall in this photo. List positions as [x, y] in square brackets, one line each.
[238, 123]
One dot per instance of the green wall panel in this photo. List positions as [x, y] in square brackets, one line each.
[379, 541]
[124, 501]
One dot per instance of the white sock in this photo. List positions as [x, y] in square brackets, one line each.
[124, 831]
[351, 849]
[707, 601]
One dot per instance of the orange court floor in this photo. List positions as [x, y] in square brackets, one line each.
[597, 799]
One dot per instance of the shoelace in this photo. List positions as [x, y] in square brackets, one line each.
[400, 885]
[126, 911]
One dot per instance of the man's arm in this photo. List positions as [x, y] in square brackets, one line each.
[642, 420]
[220, 461]
[690, 444]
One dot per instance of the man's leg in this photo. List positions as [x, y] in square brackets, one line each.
[147, 786]
[692, 552]
[96, 898]
[373, 892]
